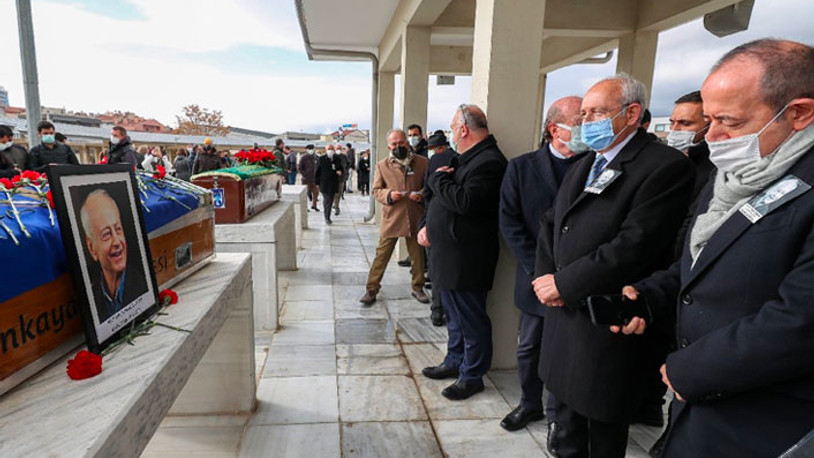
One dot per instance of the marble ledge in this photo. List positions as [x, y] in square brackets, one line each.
[116, 412]
[269, 226]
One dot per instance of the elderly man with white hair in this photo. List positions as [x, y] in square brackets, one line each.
[613, 222]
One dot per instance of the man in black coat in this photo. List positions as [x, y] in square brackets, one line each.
[442, 156]
[613, 221]
[49, 151]
[462, 226]
[327, 176]
[528, 190]
[15, 154]
[121, 148]
[743, 375]
[415, 136]
[342, 160]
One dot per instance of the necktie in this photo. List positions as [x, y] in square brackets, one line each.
[596, 169]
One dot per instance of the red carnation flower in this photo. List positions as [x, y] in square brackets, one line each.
[84, 365]
[160, 172]
[50, 198]
[6, 183]
[167, 297]
[16, 179]
[31, 175]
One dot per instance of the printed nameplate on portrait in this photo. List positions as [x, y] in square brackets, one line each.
[773, 197]
[604, 180]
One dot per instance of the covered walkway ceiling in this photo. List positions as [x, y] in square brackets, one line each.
[572, 30]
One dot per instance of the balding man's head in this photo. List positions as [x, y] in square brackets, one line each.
[104, 233]
[469, 127]
[562, 111]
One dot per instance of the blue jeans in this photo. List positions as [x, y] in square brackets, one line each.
[470, 334]
[292, 177]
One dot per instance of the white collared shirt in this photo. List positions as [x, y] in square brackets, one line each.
[555, 153]
[611, 154]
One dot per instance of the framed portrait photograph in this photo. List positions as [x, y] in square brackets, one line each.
[100, 218]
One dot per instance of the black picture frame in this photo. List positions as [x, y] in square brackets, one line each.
[103, 252]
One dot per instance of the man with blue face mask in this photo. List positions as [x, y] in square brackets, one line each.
[49, 151]
[742, 293]
[614, 218]
[529, 186]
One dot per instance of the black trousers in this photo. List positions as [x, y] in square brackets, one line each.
[581, 437]
[327, 202]
[528, 361]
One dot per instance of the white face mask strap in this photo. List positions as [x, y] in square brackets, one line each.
[773, 119]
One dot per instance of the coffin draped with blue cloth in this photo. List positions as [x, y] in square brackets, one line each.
[39, 319]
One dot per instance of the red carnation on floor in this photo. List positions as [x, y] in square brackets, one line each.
[160, 172]
[84, 365]
[167, 297]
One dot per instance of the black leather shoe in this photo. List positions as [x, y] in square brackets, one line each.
[440, 372]
[459, 391]
[437, 318]
[405, 262]
[520, 417]
[551, 442]
[650, 415]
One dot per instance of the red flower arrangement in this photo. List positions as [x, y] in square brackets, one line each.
[256, 156]
[84, 365]
[6, 183]
[160, 172]
[167, 297]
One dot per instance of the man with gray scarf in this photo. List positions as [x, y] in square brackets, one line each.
[743, 373]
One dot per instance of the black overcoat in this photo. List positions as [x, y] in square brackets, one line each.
[596, 244]
[325, 175]
[461, 219]
[745, 332]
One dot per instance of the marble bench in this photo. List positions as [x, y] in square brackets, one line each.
[298, 195]
[270, 237]
[208, 371]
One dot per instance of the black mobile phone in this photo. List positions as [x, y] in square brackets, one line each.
[618, 310]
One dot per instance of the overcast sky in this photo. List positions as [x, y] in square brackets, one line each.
[246, 58]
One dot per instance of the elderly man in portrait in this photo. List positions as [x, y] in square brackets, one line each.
[107, 247]
[594, 240]
[461, 225]
[742, 292]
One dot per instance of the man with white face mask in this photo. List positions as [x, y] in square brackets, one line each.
[16, 155]
[415, 137]
[743, 373]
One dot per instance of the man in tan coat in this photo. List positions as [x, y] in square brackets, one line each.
[398, 183]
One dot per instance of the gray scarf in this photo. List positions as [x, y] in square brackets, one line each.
[733, 189]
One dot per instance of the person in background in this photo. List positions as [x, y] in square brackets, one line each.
[121, 148]
[155, 157]
[528, 190]
[415, 136]
[208, 159]
[64, 140]
[307, 168]
[49, 151]
[328, 175]
[225, 159]
[183, 167]
[645, 124]
[279, 156]
[15, 154]
[291, 165]
[351, 154]
[461, 226]
[104, 156]
[342, 160]
[363, 173]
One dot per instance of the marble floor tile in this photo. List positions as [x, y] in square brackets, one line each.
[292, 441]
[508, 384]
[379, 398]
[353, 309]
[420, 330]
[300, 333]
[294, 311]
[401, 291]
[484, 439]
[365, 331]
[364, 359]
[413, 439]
[207, 442]
[205, 421]
[348, 292]
[301, 360]
[487, 404]
[406, 308]
[294, 400]
[349, 278]
[349, 261]
[309, 293]
[305, 277]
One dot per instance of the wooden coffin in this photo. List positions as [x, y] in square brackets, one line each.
[237, 199]
[43, 324]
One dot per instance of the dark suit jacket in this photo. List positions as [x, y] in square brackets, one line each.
[745, 332]
[325, 175]
[461, 219]
[528, 191]
[437, 160]
[596, 244]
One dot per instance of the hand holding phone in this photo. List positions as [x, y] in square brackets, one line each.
[617, 310]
